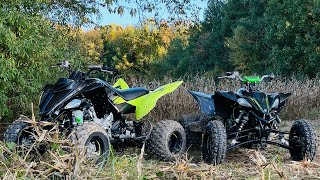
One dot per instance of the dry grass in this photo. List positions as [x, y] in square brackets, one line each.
[304, 102]
[65, 160]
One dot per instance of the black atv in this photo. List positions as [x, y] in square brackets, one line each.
[245, 118]
[93, 112]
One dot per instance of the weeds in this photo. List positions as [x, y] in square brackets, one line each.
[304, 102]
[64, 163]
[63, 160]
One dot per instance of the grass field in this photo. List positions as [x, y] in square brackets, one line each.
[272, 163]
[304, 102]
[134, 163]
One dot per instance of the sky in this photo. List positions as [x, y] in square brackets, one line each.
[126, 19]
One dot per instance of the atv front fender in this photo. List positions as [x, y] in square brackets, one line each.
[205, 101]
[146, 103]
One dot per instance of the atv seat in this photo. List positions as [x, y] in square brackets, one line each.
[131, 93]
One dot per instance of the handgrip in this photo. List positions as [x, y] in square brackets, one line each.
[64, 64]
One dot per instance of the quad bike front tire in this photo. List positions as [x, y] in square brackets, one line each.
[194, 139]
[16, 132]
[22, 135]
[214, 144]
[167, 140]
[302, 140]
[94, 139]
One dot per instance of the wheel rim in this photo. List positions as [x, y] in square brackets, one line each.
[26, 138]
[27, 145]
[175, 142]
[95, 148]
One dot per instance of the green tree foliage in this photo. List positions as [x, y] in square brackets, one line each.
[174, 64]
[29, 47]
[36, 34]
[246, 41]
[204, 50]
[134, 49]
[254, 36]
[57, 11]
[293, 36]
[207, 43]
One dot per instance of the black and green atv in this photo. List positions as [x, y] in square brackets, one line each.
[93, 111]
[246, 118]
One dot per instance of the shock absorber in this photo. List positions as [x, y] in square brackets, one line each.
[240, 116]
[244, 119]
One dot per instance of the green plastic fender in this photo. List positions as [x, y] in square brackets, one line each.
[146, 103]
[121, 84]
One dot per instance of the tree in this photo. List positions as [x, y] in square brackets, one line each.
[256, 36]
[293, 36]
[177, 11]
[29, 46]
[57, 11]
[134, 49]
[36, 34]
[91, 45]
[175, 63]
[247, 43]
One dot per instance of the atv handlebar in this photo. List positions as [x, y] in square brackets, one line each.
[245, 79]
[102, 69]
[231, 75]
[269, 76]
[66, 65]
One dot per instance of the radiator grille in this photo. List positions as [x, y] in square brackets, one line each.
[52, 100]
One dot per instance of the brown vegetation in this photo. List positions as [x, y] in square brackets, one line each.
[64, 160]
[304, 102]
[273, 163]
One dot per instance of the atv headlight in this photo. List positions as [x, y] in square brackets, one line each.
[244, 102]
[275, 103]
[73, 104]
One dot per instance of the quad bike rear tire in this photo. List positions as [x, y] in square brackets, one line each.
[302, 140]
[94, 138]
[194, 139]
[167, 140]
[214, 144]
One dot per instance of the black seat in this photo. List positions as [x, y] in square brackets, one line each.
[131, 93]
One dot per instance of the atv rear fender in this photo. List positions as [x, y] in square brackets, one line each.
[146, 103]
[121, 84]
[205, 101]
